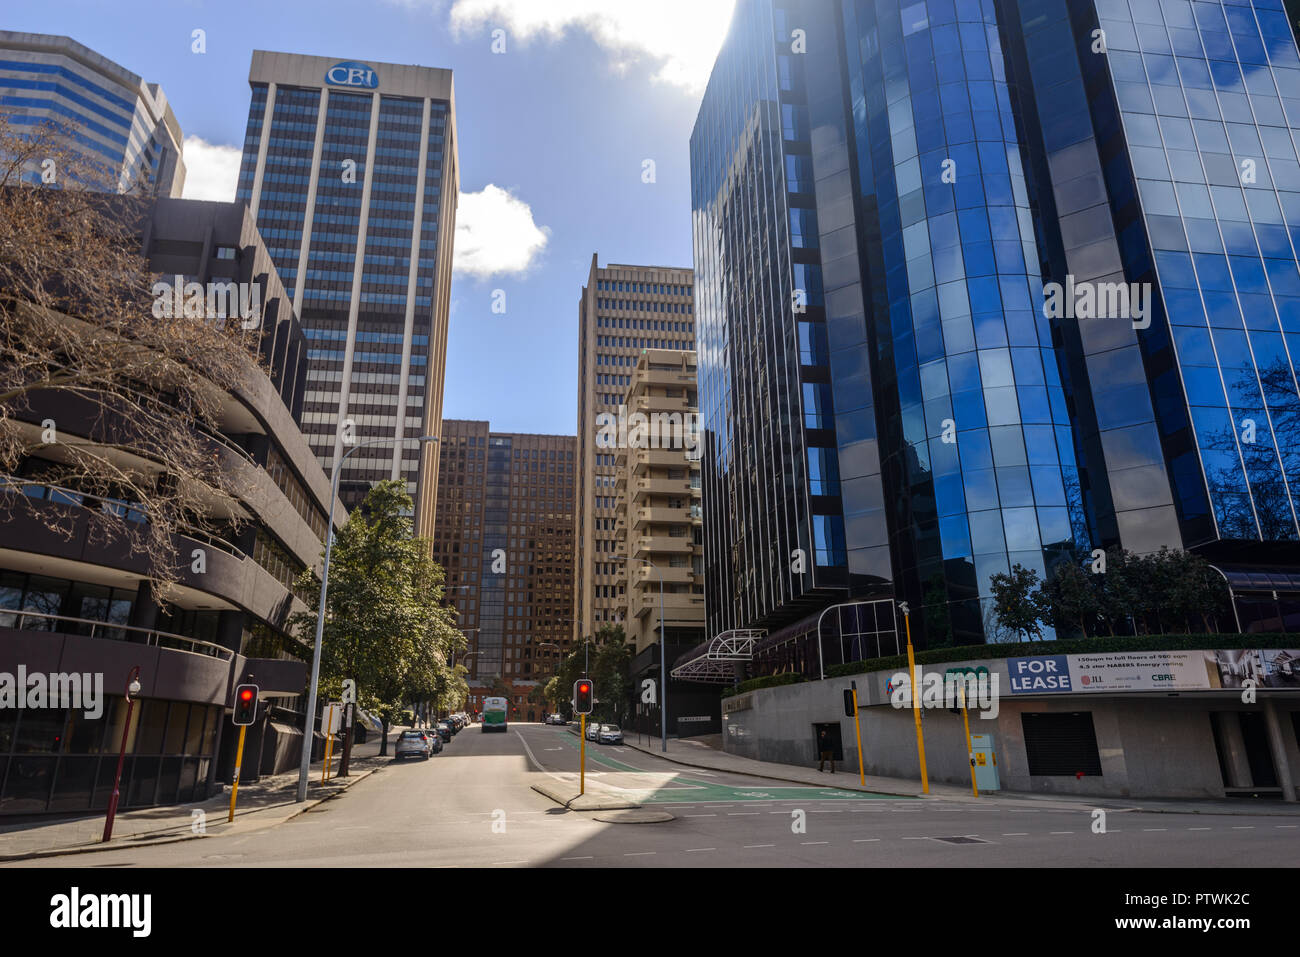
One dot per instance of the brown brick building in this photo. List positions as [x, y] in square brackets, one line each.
[504, 533]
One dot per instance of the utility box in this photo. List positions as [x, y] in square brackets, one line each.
[986, 762]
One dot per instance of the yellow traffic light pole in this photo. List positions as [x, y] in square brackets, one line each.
[234, 785]
[970, 751]
[916, 699]
[582, 755]
[329, 745]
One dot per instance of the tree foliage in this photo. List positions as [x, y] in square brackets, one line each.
[386, 626]
[1123, 594]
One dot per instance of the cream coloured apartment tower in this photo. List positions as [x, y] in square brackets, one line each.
[623, 311]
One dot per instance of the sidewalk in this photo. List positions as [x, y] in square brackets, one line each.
[265, 803]
[698, 754]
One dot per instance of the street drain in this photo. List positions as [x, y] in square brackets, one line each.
[960, 840]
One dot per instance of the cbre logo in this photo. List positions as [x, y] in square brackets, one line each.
[352, 74]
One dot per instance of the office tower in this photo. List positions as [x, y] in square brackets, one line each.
[942, 179]
[623, 310]
[121, 125]
[351, 172]
[658, 511]
[225, 622]
[504, 534]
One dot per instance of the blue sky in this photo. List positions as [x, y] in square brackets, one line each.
[553, 136]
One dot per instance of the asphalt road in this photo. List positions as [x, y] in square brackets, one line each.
[473, 805]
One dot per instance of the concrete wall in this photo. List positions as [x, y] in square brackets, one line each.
[1149, 746]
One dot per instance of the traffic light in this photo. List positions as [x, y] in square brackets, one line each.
[583, 693]
[245, 704]
[848, 703]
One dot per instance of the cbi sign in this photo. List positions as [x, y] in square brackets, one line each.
[352, 74]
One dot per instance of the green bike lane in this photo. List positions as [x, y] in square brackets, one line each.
[673, 784]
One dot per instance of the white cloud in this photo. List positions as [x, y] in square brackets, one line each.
[495, 234]
[211, 170]
[680, 38]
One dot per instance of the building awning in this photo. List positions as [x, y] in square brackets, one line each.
[1260, 578]
[713, 661]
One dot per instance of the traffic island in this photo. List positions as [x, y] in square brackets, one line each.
[567, 796]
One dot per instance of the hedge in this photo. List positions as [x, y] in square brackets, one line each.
[766, 681]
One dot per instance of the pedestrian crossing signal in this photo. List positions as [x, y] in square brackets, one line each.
[582, 696]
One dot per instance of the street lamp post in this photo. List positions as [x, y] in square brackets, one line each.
[132, 689]
[663, 654]
[309, 722]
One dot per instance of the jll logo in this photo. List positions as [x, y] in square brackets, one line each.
[352, 74]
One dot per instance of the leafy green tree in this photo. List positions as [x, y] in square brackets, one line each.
[610, 672]
[1018, 600]
[386, 626]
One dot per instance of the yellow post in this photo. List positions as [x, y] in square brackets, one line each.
[234, 786]
[329, 744]
[916, 703]
[582, 755]
[970, 751]
[857, 727]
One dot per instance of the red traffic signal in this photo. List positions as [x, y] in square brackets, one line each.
[582, 696]
[245, 704]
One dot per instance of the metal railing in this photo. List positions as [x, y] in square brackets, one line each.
[129, 511]
[111, 631]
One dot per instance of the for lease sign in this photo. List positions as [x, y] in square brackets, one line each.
[1042, 673]
[1118, 671]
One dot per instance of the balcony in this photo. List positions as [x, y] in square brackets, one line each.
[666, 458]
[38, 621]
[661, 515]
[660, 403]
[647, 577]
[677, 608]
[644, 487]
[646, 546]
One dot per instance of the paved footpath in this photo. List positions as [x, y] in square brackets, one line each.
[265, 803]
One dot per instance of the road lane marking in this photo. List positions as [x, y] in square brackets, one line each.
[1016, 834]
[760, 845]
[865, 840]
[587, 858]
[806, 843]
[639, 853]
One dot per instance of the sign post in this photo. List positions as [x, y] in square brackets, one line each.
[329, 741]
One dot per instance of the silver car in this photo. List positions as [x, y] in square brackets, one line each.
[415, 744]
[610, 734]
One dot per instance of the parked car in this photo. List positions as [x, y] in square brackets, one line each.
[444, 730]
[451, 724]
[414, 744]
[556, 719]
[610, 734]
[593, 729]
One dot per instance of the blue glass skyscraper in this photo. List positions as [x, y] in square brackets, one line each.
[932, 176]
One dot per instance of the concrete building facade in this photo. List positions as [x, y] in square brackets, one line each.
[351, 172]
[623, 310]
[77, 603]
